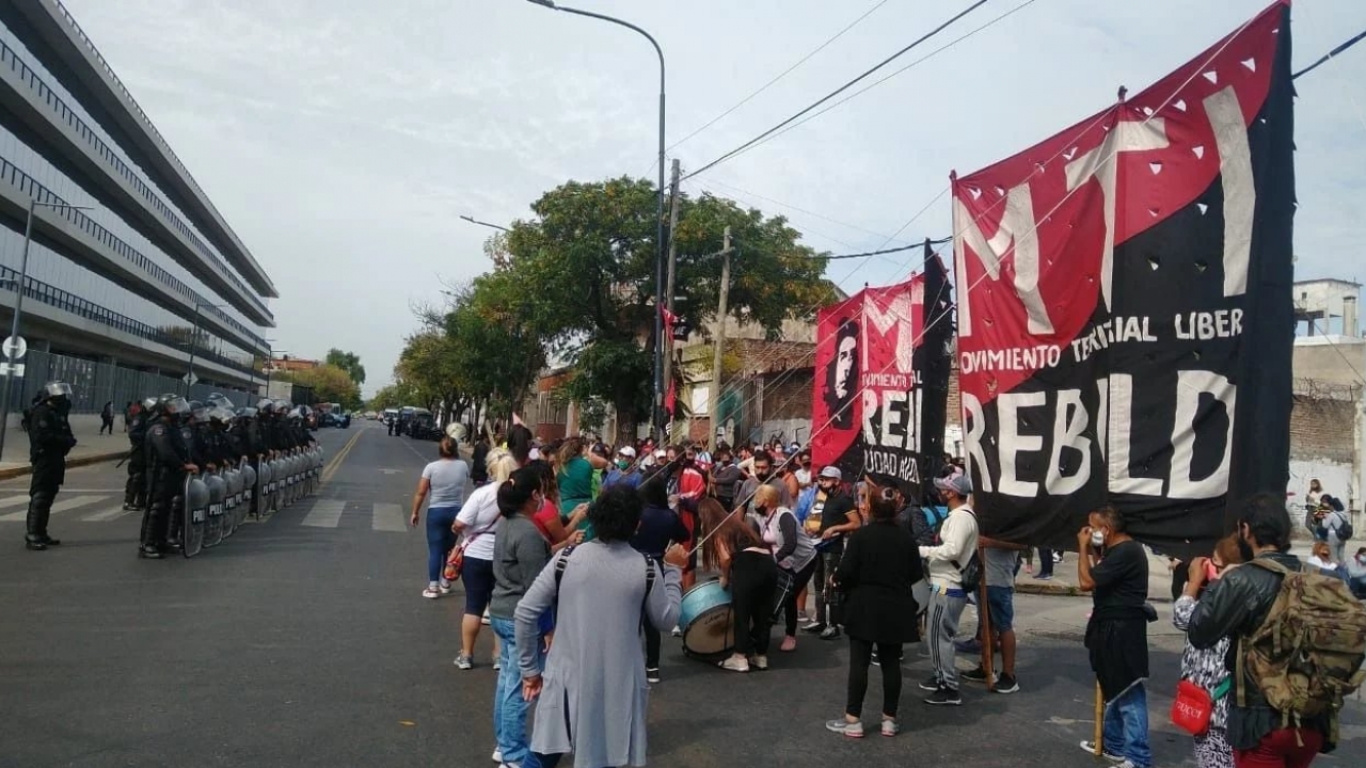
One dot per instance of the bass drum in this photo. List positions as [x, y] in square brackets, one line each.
[218, 491]
[707, 621]
[195, 508]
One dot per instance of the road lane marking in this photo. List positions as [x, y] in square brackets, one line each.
[331, 468]
[62, 505]
[388, 517]
[13, 501]
[113, 513]
[326, 513]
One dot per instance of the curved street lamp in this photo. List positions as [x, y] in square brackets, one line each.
[659, 216]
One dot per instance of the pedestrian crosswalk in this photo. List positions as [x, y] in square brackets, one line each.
[384, 517]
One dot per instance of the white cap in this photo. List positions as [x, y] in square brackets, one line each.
[661, 454]
[627, 451]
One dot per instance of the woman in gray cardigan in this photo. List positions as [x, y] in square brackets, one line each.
[592, 692]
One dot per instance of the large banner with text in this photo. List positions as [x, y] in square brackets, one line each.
[1125, 317]
[865, 413]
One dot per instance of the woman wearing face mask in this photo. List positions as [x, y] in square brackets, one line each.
[792, 549]
[1206, 668]
[725, 478]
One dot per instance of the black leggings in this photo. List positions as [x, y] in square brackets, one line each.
[860, 656]
[651, 646]
[799, 581]
[753, 580]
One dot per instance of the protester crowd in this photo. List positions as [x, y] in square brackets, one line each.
[580, 555]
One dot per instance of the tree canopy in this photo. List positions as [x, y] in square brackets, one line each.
[576, 284]
[347, 361]
[330, 384]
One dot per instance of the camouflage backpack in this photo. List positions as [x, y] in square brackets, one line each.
[1307, 653]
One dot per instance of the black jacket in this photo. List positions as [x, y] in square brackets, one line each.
[880, 563]
[49, 434]
[1235, 606]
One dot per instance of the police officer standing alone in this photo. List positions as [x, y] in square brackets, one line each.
[49, 439]
[168, 459]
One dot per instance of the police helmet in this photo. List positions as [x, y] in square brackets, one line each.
[221, 415]
[149, 403]
[246, 412]
[282, 406]
[218, 400]
[265, 405]
[174, 405]
[199, 410]
[297, 412]
[56, 389]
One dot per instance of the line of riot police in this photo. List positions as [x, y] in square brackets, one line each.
[197, 469]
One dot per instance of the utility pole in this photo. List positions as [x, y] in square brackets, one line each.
[715, 399]
[669, 289]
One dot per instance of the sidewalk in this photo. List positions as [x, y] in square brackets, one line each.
[91, 447]
[1064, 581]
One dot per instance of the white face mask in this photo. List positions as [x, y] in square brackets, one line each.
[1098, 538]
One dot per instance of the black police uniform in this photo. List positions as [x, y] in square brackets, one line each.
[167, 455]
[50, 440]
[135, 492]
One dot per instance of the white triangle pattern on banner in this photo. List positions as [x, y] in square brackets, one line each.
[1203, 208]
[1212, 76]
[1199, 151]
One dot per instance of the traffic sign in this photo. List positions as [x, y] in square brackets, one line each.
[17, 370]
[190, 379]
[16, 346]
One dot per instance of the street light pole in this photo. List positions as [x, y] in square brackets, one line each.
[658, 399]
[473, 220]
[194, 339]
[19, 309]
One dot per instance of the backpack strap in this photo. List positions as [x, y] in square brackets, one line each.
[560, 565]
[649, 586]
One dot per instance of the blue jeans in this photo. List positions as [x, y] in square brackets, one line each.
[509, 708]
[1126, 726]
[440, 539]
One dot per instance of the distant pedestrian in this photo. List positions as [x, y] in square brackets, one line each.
[107, 417]
[479, 470]
[591, 692]
[444, 480]
[946, 562]
[1117, 634]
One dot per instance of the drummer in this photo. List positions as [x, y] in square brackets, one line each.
[659, 527]
[747, 568]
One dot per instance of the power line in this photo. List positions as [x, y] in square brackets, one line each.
[781, 75]
[876, 83]
[1325, 58]
[940, 241]
[841, 89]
[789, 206]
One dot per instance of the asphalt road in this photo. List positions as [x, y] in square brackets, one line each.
[303, 641]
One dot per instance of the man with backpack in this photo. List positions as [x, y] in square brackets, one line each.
[1285, 695]
[953, 573]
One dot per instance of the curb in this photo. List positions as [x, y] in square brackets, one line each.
[1047, 588]
[80, 461]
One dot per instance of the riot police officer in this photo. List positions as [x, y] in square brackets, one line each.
[168, 460]
[50, 440]
[135, 492]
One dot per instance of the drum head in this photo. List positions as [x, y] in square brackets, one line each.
[711, 633]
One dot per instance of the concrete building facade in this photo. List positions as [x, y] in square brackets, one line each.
[149, 276]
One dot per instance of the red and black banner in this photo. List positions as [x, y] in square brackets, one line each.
[1125, 313]
[866, 404]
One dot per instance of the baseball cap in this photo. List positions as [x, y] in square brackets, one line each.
[833, 472]
[627, 451]
[959, 484]
[661, 454]
[648, 461]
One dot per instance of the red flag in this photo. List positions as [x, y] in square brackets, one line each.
[670, 399]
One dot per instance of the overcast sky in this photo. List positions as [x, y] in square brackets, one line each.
[343, 138]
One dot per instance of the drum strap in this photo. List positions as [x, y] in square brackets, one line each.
[563, 562]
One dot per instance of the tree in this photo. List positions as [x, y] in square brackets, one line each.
[329, 383]
[584, 274]
[347, 361]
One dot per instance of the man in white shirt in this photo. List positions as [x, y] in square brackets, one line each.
[947, 598]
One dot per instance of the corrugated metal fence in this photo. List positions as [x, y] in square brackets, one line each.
[94, 383]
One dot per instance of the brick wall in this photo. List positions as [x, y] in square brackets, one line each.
[1321, 429]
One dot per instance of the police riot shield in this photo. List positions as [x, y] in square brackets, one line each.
[315, 478]
[265, 486]
[248, 492]
[213, 532]
[194, 506]
[233, 478]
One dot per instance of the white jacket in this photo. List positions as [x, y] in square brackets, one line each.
[959, 535]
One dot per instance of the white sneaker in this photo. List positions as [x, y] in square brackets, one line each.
[444, 587]
[484, 619]
[431, 593]
[464, 662]
[497, 755]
